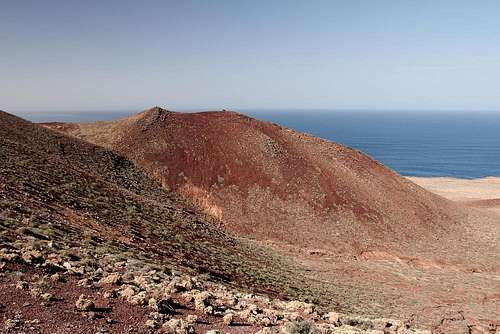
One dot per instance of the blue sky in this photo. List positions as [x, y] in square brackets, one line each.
[129, 55]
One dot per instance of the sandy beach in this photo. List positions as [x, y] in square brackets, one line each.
[480, 193]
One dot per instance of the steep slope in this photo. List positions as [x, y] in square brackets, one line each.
[72, 200]
[371, 242]
[269, 182]
[90, 192]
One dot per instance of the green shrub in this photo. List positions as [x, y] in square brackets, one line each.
[299, 327]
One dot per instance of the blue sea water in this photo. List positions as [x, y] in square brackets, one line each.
[455, 144]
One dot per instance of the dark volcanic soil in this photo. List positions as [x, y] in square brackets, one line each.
[61, 315]
[272, 183]
[365, 239]
[70, 195]
[374, 241]
[27, 313]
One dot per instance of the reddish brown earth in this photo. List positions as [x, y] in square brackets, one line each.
[71, 200]
[378, 243]
[60, 315]
[273, 183]
[81, 193]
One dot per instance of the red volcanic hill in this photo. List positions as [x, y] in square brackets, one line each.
[273, 183]
[72, 190]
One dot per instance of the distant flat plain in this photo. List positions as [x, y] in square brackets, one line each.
[481, 193]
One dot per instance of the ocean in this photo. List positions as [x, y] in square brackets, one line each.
[455, 144]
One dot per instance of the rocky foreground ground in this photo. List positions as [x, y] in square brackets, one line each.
[65, 290]
[89, 244]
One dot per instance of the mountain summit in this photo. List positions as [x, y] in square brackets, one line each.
[346, 232]
[272, 183]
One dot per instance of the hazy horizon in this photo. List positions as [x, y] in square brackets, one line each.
[98, 115]
[426, 144]
[117, 55]
[105, 115]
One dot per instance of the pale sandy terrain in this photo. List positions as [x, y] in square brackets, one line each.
[483, 193]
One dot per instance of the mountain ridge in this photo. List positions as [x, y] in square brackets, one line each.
[93, 208]
[95, 191]
[254, 176]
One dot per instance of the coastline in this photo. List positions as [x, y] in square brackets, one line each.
[480, 193]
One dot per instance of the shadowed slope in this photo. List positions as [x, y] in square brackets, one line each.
[53, 187]
[375, 242]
